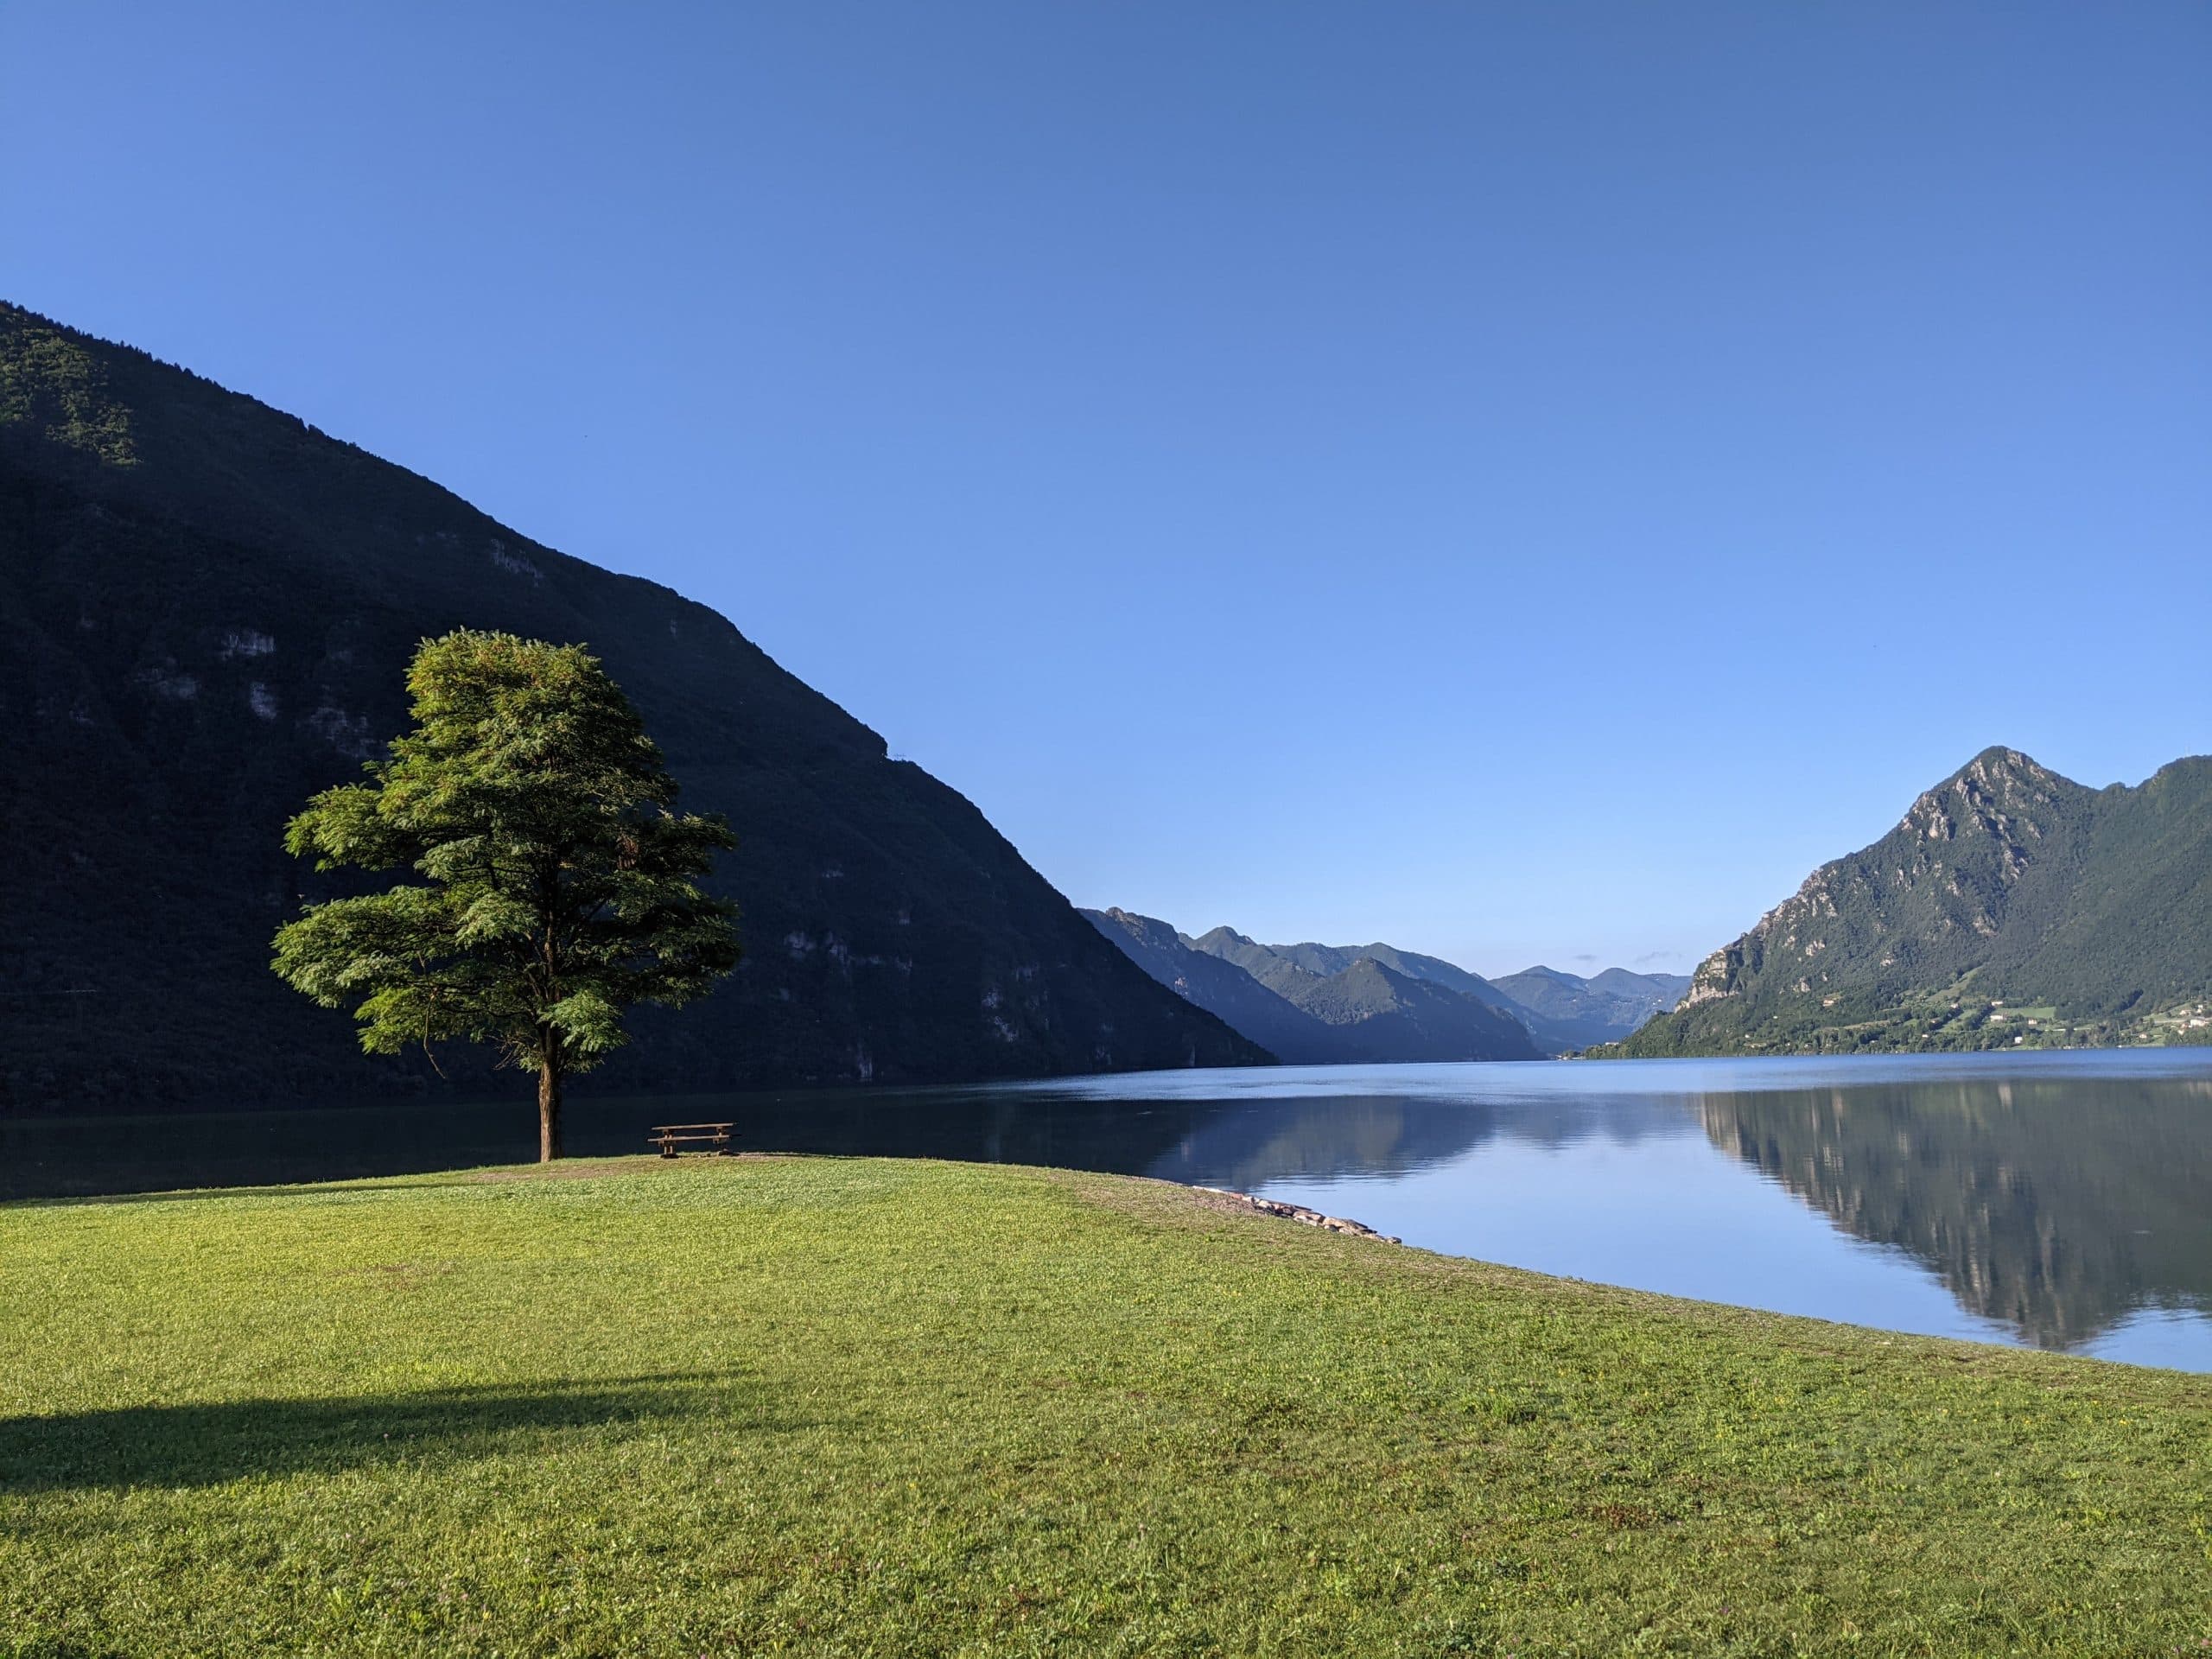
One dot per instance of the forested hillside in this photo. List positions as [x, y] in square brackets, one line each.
[206, 607]
[2010, 907]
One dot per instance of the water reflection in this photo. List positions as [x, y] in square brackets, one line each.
[2059, 1199]
[1378, 1136]
[105, 1155]
[2055, 1208]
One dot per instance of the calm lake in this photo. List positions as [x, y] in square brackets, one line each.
[2062, 1200]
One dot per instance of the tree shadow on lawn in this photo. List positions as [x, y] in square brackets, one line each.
[430, 1180]
[340, 1186]
[208, 1444]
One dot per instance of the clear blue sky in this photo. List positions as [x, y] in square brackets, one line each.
[1523, 481]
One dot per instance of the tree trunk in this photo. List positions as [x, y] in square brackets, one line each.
[549, 1105]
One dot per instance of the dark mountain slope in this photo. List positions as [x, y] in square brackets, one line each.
[205, 609]
[2010, 907]
[1221, 989]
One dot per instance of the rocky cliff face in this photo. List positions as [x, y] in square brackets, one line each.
[1943, 877]
[206, 608]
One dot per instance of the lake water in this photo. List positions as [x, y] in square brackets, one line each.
[2062, 1200]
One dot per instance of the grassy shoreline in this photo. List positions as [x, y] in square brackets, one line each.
[875, 1406]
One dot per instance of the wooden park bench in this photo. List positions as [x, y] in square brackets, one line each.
[672, 1138]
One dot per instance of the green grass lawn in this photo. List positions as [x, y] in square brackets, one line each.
[863, 1406]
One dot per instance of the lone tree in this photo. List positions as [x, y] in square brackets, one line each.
[556, 881]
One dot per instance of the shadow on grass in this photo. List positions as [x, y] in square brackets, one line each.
[206, 1444]
[430, 1180]
[192, 1194]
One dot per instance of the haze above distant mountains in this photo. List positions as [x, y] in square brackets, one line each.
[1321, 1004]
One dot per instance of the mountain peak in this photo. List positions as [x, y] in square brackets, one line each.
[1998, 765]
[1222, 935]
[2006, 884]
[1999, 755]
[2001, 793]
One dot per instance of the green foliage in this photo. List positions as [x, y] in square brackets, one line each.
[2011, 908]
[859, 1406]
[557, 882]
[50, 384]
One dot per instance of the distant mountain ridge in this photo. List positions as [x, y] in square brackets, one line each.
[1577, 1012]
[207, 608]
[1363, 1012]
[1312, 1004]
[1327, 959]
[1221, 989]
[2010, 907]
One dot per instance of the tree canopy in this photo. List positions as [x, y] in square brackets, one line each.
[556, 883]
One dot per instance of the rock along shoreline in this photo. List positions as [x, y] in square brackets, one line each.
[1299, 1212]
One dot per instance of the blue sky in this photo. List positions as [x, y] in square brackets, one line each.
[1523, 482]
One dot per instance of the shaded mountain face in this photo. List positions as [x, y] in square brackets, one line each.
[2010, 907]
[206, 610]
[1221, 989]
[1574, 1012]
[1369, 1010]
[1224, 989]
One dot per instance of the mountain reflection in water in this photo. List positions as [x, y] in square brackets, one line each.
[2060, 1200]
[2058, 1209]
[1378, 1136]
